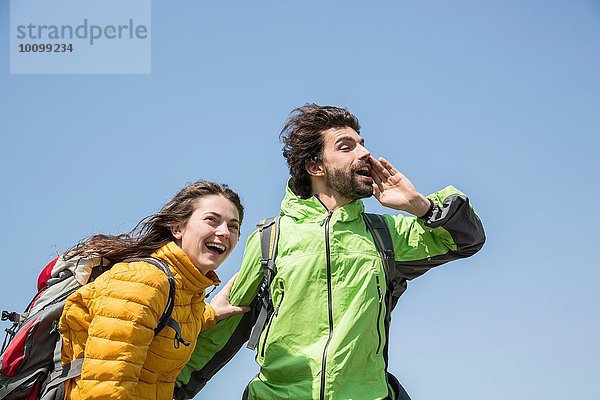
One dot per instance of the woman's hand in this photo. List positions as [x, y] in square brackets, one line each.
[220, 303]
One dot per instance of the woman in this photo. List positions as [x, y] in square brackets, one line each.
[110, 322]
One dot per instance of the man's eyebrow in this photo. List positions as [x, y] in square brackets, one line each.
[350, 138]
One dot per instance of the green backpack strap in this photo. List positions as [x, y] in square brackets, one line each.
[269, 236]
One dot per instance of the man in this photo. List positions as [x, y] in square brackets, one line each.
[327, 337]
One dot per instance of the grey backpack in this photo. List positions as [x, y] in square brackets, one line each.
[30, 362]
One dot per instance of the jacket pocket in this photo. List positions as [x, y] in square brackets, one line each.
[271, 318]
[379, 310]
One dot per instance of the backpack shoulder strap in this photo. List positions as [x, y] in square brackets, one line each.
[383, 240]
[268, 230]
[165, 319]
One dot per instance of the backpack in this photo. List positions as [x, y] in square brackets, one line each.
[396, 285]
[30, 361]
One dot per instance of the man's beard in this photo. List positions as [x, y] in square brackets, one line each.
[347, 183]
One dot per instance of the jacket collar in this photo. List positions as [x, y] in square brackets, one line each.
[184, 270]
[312, 209]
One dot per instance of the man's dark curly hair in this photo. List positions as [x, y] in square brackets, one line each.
[303, 140]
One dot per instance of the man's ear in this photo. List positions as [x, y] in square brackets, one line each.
[315, 167]
[177, 232]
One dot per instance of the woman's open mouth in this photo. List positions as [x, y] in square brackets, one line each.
[216, 248]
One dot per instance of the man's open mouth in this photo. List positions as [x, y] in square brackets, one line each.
[364, 171]
[216, 248]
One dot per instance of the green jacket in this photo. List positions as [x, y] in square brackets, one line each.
[326, 337]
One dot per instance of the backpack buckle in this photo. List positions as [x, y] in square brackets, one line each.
[11, 316]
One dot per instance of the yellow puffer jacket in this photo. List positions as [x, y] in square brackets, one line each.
[110, 322]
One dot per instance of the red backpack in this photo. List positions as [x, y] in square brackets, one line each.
[30, 361]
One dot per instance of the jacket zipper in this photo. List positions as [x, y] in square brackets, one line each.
[380, 297]
[262, 352]
[329, 304]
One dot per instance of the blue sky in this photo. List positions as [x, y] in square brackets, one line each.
[500, 99]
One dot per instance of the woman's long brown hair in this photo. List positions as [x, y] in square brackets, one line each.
[154, 231]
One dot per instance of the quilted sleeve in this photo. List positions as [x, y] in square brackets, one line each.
[130, 299]
[210, 317]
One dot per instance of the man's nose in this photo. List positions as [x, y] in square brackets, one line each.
[363, 152]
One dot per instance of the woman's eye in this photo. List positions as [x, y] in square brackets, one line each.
[234, 228]
[211, 219]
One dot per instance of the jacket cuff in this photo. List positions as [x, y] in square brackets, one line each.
[210, 317]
